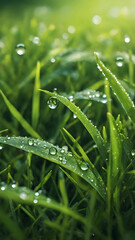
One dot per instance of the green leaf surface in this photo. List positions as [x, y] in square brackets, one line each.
[57, 155]
[93, 131]
[118, 89]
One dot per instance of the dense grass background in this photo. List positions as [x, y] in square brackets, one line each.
[67, 66]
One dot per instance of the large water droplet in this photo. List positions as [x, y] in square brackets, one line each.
[53, 151]
[52, 102]
[31, 142]
[20, 49]
[84, 166]
[96, 19]
[119, 61]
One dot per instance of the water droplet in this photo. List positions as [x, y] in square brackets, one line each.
[74, 116]
[36, 40]
[35, 201]
[36, 194]
[48, 200]
[65, 36]
[65, 148]
[14, 185]
[64, 160]
[23, 196]
[91, 180]
[60, 158]
[84, 166]
[30, 142]
[126, 39]
[69, 154]
[71, 29]
[62, 150]
[20, 49]
[53, 151]
[119, 61]
[1, 147]
[96, 19]
[52, 102]
[53, 60]
[133, 153]
[3, 188]
[71, 99]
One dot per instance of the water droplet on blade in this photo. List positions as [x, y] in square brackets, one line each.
[84, 166]
[20, 49]
[53, 151]
[119, 61]
[30, 142]
[52, 103]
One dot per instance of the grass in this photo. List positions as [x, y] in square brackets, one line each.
[67, 153]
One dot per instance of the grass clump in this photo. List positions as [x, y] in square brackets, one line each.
[67, 131]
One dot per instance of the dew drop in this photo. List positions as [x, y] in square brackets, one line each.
[36, 40]
[60, 158]
[133, 152]
[126, 39]
[64, 160]
[3, 188]
[30, 142]
[53, 60]
[84, 166]
[74, 116]
[48, 200]
[36, 194]
[71, 29]
[20, 49]
[65, 148]
[35, 201]
[23, 196]
[69, 154]
[1, 147]
[96, 19]
[71, 99]
[13, 185]
[119, 61]
[52, 103]
[53, 151]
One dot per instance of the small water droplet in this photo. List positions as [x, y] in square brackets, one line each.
[53, 60]
[48, 200]
[126, 39]
[35, 201]
[119, 61]
[36, 194]
[53, 151]
[69, 154]
[3, 188]
[84, 166]
[36, 40]
[91, 180]
[133, 152]
[14, 185]
[20, 49]
[60, 158]
[64, 161]
[65, 148]
[71, 99]
[71, 29]
[23, 196]
[52, 102]
[96, 19]
[74, 116]
[31, 142]
[1, 147]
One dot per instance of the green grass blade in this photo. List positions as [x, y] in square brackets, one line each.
[118, 89]
[56, 155]
[116, 147]
[19, 117]
[36, 98]
[27, 196]
[93, 131]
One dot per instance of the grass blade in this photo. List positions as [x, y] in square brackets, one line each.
[19, 117]
[93, 131]
[56, 155]
[27, 196]
[118, 89]
[36, 98]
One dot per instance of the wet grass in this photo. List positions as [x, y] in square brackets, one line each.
[67, 119]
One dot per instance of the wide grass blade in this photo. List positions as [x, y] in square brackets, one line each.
[93, 131]
[36, 98]
[118, 89]
[58, 156]
[19, 117]
[27, 196]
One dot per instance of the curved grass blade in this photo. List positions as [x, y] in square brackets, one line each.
[27, 196]
[93, 131]
[118, 89]
[57, 155]
[19, 117]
